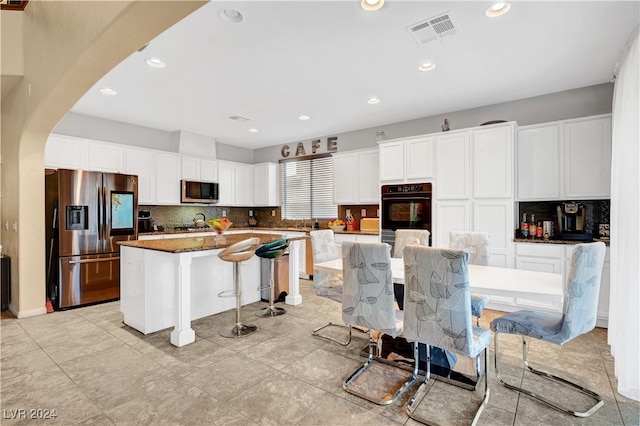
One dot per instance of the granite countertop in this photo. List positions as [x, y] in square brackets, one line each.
[252, 228]
[196, 243]
[551, 241]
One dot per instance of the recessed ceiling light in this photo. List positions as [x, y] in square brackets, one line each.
[253, 130]
[371, 5]
[155, 63]
[108, 91]
[303, 117]
[427, 66]
[231, 15]
[497, 9]
[373, 101]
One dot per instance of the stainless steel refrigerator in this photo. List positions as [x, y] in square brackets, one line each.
[87, 213]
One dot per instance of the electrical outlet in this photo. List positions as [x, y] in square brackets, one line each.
[15, 226]
[363, 212]
[377, 212]
[224, 213]
[273, 213]
[348, 212]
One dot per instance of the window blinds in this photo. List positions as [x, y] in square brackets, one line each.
[307, 188]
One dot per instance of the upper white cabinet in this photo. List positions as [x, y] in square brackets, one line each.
[244, 184]
[492, 149]
[355, 177]
[406, 160]
[569, 159]
[265, 188]
[452, 166]
[227, 183]
[106, 157]
[167, 173]
[66, 152]
[587, 158]
[538, 162]
[141, 162]
[199, 169]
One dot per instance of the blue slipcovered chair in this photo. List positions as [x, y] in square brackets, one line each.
[326, 284]
[578, 317]
[368, 301]
[477, 245]
[437, 312]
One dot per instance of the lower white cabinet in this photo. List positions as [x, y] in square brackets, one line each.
[340, 238]
[541, 258]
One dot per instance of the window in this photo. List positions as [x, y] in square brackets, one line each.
[307, 188]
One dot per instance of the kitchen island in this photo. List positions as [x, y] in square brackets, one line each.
[171, 282]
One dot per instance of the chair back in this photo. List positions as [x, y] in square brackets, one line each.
[409, 236]
[240, 251]
[582, 289]
[474, 243]
[323, 248]
[367, 298]
[437, 304]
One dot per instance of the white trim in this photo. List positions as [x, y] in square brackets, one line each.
[29, 312]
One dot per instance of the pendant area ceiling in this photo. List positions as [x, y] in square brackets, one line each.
[325, 59]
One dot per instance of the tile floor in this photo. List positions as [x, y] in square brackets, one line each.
[92, 369]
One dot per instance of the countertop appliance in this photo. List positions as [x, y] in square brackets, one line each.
[87, 214]
[200, 192]
[405, 206]
[145, 222]
[572, 222]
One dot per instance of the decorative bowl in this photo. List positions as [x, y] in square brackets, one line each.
[338, 228]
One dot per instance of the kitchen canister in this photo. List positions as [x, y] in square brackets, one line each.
[547, 229]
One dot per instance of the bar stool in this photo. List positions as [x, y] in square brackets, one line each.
[236, 253]
[271, 251]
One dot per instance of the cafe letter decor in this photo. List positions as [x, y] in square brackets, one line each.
[332, 146]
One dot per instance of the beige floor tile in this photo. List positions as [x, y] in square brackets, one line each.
[323, 369]
[337, 411]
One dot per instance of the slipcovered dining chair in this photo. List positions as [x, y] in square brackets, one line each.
[437, 312]
[368, 301]
[477, 245]
[578, 317]
[326, 284]
[404, 237]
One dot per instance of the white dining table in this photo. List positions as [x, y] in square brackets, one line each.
[490, 280]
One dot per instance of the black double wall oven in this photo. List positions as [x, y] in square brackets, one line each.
[405, 206]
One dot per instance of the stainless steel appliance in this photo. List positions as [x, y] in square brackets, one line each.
[405, 206]
[572, 222]
[87, 213]
[198, 192]
[145, 222]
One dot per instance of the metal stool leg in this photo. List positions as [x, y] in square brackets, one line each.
[238, 329]
[271, 310]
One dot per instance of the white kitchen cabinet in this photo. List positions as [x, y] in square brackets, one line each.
[345, 178]
[66, 152]
[538, 162]
[496, 218]
[492, 148]
[541, 258]
[141, 162]
[450, 216]
[199, 169]
[340, 238]
[227, 186]
[167, 173]
[244, 185]
[106, 157]
[355, 177]
[391, 160]
[407, 160]
[452, 166]
[587, 158]
[265, 191]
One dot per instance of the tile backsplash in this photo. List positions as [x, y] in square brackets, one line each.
[597, 212]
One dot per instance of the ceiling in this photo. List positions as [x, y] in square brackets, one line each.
[325, 59]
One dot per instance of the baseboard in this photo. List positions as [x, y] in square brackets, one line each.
[29, 312]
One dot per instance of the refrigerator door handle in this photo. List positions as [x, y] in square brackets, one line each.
[105, 259]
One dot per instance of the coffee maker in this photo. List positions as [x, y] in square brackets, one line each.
[145, 223]
[572, 222]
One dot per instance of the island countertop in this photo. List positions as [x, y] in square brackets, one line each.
[199, 243]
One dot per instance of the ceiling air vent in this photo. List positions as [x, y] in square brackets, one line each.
[238, 118]
[432, 28]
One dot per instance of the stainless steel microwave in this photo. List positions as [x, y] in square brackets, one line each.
[199, 192]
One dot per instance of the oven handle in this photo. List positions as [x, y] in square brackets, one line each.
[410, 197]
[103, 259]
